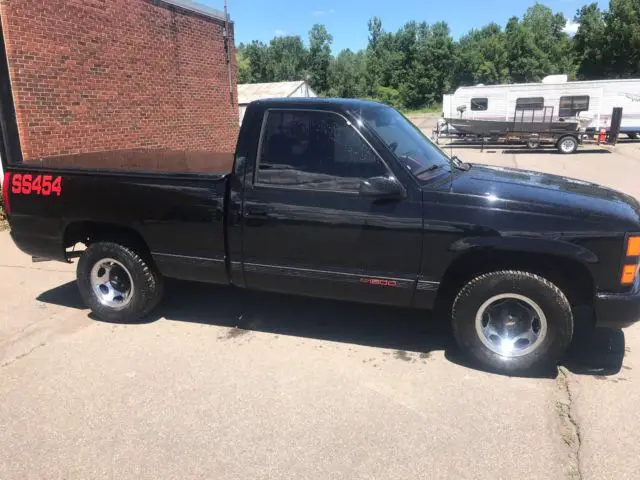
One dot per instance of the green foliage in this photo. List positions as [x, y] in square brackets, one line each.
[286, 59]
[588, 42]
[413, 67]
[388, 95]
[257, 55]
[482, 56]
[243, 65]
[348, 75]
[607, 44]
[622, 38]
[319, 58]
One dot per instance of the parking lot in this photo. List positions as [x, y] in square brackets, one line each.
[227, 384]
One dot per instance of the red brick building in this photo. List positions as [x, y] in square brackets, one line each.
[100, 75]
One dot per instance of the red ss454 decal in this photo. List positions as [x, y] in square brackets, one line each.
[27, 184]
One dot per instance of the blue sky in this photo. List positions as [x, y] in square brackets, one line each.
[347, 20]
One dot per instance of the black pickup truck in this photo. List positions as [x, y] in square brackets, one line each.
[348, 200]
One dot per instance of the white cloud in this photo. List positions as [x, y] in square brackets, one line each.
[322, 13]
[571, 27]
[280, 33]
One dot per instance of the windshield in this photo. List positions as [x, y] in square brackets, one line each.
[413, 149]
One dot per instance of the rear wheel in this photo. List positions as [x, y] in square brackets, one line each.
[567, 145]
[512, 322]
[633, 136]
[117, 284]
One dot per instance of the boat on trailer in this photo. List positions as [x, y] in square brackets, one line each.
[491, 128]
[526, 127]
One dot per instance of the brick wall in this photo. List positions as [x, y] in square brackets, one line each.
[97, 75]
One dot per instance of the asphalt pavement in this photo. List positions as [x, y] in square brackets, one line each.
[228, 384]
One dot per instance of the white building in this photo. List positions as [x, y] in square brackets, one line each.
[250, 92]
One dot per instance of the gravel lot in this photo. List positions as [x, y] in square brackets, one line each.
[236, 385]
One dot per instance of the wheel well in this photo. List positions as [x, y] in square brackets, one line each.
[572, 277]
[569, 135]
[92, 232]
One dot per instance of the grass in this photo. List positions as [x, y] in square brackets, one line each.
[436, 109]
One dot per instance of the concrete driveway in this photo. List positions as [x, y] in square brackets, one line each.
[235, 385]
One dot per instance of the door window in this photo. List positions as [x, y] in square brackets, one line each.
[314, 150]
[571, 106]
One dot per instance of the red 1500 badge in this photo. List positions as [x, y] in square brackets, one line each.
[28, 184]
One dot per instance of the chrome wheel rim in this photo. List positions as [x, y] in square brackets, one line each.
[567, 145]
[112, 283]
[511, 325]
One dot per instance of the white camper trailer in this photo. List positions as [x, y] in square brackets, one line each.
[592, 100]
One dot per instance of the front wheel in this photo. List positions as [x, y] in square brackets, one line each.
[567, 145]
[512, 322]
[117, 284]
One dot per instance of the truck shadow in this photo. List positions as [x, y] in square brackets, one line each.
[402, 330]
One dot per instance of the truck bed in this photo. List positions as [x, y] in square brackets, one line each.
[142, 160]
[178, 215]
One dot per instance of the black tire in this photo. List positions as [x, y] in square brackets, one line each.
[567, 144]
[146, 281]
[549, 298]
[633, 136]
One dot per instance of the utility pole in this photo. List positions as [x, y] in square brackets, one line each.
[227, 48]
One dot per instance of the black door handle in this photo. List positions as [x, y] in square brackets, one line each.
[257, 212]
[256, 216]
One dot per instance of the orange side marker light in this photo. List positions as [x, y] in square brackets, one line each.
[633, 247]
[629, 273]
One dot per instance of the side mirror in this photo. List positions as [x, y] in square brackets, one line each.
[382, 187]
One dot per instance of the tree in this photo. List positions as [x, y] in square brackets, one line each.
[437, 54]
[319, 58]
[427, 63]
[537, 45]
[481, 56]
[589, 43]
[257, 53]
[243, 65]
[348, 75]
[622, 38]
[417, 64]
[550, 39]
[373, 50]
[286, 59]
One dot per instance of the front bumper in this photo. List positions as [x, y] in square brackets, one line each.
[618, 310]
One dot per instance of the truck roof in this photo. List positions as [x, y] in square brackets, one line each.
[315, 101]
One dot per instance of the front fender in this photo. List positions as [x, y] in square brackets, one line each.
[539, 245]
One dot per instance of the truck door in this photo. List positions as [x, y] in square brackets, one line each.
[306, 228]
